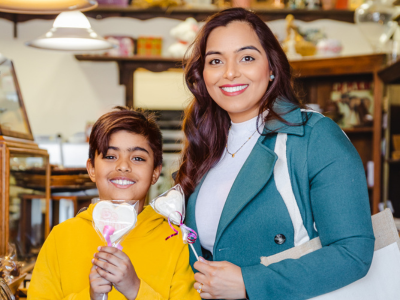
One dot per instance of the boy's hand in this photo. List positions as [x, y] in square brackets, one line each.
[115, 266]
[98, 285]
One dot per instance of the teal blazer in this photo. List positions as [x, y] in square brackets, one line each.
[329, 184]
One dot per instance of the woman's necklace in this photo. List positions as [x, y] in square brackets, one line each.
[233, 154]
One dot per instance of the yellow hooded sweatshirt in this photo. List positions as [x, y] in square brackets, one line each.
[64, 262]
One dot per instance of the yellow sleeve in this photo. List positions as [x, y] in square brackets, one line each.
[46, 282]
[147, 292]
[181, 285]
[183, 280]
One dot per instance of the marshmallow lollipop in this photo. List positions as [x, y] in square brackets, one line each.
[114, 220]
[171, 205]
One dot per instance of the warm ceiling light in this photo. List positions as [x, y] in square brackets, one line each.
[71, 32]
[45, 6]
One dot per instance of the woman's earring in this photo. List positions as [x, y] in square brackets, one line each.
[272, 77]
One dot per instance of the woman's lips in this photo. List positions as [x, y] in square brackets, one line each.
[233, 90]
[122, 183]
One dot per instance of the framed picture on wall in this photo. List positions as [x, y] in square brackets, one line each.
[13, 118]
[355, 103]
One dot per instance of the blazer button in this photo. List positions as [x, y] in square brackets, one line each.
[280, 239]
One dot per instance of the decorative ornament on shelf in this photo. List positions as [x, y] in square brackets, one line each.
[159, 3]
[375, 20]
[185, 33]
[71, 32]
[329, 47]
[294, 44]
[45, 6]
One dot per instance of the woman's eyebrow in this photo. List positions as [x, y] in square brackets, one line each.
[248, 48]
[240, 49]
[213, 52]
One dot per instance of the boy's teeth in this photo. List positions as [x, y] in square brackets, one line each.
[232, 89]
[122, 182]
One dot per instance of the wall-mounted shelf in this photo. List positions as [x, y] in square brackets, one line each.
[358, 130]
[181, 13]
[391, 74]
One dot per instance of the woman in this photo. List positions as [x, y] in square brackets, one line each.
[262, 176]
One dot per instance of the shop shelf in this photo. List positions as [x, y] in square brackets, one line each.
[358, 130]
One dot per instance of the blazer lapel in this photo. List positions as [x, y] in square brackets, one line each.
[253, 176]
[190, 219]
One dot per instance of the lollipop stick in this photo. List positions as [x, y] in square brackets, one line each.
[105, 296]
[194, 251]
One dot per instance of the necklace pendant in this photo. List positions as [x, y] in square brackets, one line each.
[233, 155]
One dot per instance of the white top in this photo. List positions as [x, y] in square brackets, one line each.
[217, 185]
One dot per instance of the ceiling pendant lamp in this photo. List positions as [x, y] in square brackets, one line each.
[71, 32]
[45, 6]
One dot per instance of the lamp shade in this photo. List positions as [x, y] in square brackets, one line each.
[45, 6]
[71, 32]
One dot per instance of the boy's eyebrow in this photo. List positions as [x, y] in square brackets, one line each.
[130, 149]
[238, 50]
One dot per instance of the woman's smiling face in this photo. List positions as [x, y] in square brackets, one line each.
[236, 70]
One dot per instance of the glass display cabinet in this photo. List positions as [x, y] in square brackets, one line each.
[24, 174]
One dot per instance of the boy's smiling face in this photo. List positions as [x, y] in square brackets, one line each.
[127, 171]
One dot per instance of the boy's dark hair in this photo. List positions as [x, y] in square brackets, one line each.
[123, 118]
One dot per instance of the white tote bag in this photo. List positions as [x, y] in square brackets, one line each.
[382, 281]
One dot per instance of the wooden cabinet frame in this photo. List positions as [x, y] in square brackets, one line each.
[8, 146]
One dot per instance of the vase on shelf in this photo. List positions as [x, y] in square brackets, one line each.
[375, 20]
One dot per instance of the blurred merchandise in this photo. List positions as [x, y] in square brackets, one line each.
[328, 4]
[370, 173]
[149, 46]
[313, 4]
[396, 146]
[184, 33]
[241, 3]
[5, 291]
[395, 49]
[354, 4]
[329, 47]
[355, 103]
[289, 46]
[125, 45]
[341, 4]
[375, 21]
[396, 141]
[160, 3]
[201, 3]
[313, 35]
[113, 2]
[10, 268]
[295, 41]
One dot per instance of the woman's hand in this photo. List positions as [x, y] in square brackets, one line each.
[115, 266]
[98, 285]
[219, 280]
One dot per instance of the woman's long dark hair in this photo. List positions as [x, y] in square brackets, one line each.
[206, 124]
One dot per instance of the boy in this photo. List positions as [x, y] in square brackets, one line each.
[125, 158]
